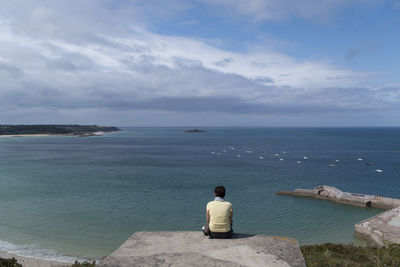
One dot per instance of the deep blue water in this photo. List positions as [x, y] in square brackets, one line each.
[83, 197]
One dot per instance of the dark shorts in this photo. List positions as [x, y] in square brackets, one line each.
[218, 235]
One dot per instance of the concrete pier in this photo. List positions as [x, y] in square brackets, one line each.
[195, 249]
[381, 229]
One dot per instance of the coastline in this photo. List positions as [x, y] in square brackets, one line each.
[27, 135]
[33, 262]
[42, 135]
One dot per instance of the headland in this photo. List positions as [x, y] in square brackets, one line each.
[56, 129]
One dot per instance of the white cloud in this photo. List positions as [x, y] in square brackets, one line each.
[142, 64]
[265, 10]
[80, 68]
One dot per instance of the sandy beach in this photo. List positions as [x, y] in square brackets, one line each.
[31, 262]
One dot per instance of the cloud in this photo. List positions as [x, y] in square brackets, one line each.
[65, 63]
[267, 10]
[10, 70]
[223, 62]
[82, 21]
[364, 47]
[351, 54]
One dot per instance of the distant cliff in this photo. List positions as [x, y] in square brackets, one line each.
[54, 129]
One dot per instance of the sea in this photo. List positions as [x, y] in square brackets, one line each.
[69, 198]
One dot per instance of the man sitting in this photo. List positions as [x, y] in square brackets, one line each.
[219, 216]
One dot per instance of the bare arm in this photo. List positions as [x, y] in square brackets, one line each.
[207, 218]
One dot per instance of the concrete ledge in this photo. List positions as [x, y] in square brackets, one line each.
[195, 249]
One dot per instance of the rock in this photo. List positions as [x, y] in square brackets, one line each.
[194, 131]
[195, 249]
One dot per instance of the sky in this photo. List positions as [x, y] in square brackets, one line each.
[324, 63]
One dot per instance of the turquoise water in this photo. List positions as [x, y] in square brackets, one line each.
[69, 197]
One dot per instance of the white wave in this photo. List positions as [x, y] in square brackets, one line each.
[33, 251]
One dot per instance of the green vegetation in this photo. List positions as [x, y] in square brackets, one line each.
[337, 255]
[54, 129]
[13, 263]
[9, 263]
[84, 264]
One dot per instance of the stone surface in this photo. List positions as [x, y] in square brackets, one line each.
[195, 249]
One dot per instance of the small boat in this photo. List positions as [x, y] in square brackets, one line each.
[305, 157]
[298, 162]
[281, 159]
[337, 160]
[276, 155]
[360, 159]
[370, 163]
[331, 165]
[238, 156]
[379, 170]
[261, 157]
[213, 152]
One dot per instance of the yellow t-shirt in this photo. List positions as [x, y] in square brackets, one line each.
[219, 216]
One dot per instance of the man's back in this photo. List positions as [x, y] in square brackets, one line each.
[219, 216]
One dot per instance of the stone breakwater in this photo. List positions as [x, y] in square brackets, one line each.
[381, 229]
[195, 249]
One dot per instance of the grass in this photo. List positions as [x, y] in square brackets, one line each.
[84, 264]
[9, 263]
[338, 255]
[325, 255]
[13, 263]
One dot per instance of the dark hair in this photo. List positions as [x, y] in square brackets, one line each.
[219, 191]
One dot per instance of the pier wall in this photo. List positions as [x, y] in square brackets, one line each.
[381, 229]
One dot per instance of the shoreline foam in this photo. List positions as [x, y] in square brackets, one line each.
[33, 262]
[29, 255]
